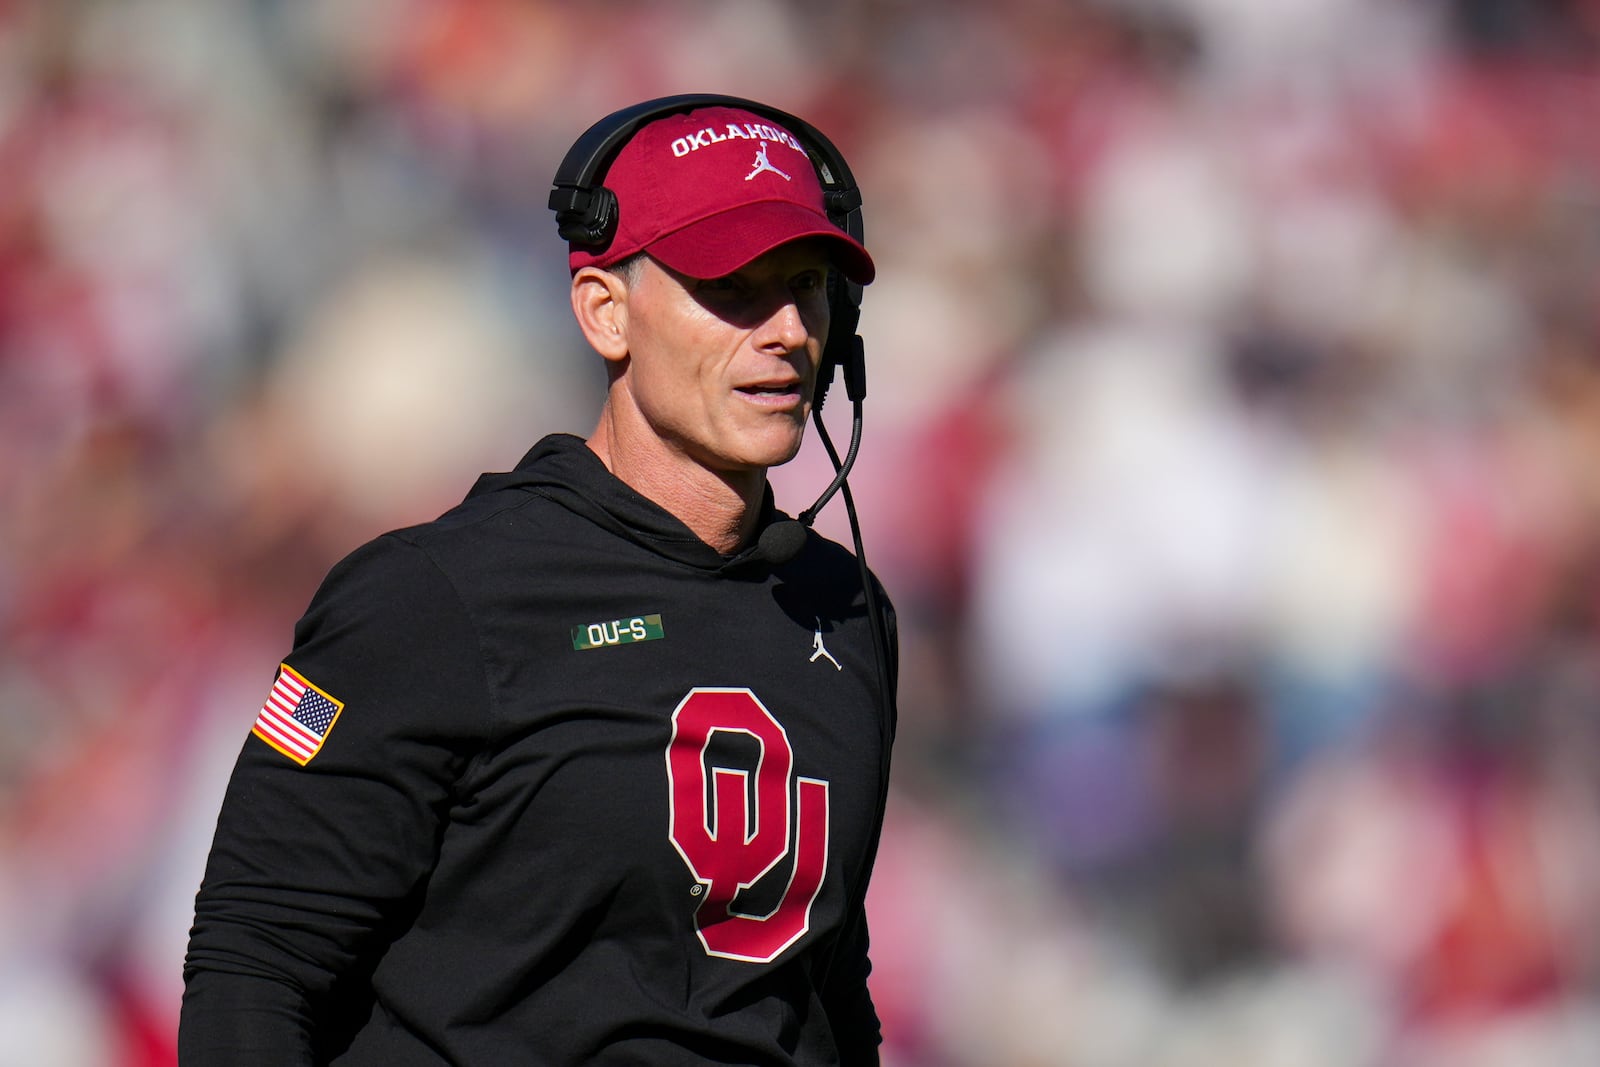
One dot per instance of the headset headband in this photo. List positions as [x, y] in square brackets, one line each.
[591, 155]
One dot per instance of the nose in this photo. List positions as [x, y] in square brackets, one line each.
[785, 328]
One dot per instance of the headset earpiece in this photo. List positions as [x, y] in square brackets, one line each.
[587, 218]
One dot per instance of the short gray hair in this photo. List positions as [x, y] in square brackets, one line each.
[629, 267]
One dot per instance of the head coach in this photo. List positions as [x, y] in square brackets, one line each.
[591, 769]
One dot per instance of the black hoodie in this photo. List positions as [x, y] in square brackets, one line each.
[580, 790]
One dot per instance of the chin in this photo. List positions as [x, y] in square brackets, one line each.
[785, 457]
[760, 461]
[772, 444]
[787, 450]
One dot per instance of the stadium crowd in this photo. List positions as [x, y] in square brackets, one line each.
[1232, 453]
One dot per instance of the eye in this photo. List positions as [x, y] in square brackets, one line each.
[808, 281]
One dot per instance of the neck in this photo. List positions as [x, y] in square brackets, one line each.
[721, 508]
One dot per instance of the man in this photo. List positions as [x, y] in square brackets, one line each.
[560, 777]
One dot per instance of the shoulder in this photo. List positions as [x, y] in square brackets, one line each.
[390, 637]
[833, 568]
[467, 545]
[449, 572]
[503, 500]
[383, 584]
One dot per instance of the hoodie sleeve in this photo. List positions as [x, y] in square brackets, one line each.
[318, 856]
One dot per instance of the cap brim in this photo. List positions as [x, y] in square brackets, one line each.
[720, 244]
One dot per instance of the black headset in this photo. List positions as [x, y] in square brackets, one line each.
[586, 211]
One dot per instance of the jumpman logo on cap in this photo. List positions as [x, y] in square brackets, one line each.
[762, 164]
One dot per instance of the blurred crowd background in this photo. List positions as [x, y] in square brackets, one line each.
[1232, 454]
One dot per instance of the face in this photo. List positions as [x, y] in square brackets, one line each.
[722, 369]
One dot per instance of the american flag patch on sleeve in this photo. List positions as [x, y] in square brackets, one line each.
[297, 716]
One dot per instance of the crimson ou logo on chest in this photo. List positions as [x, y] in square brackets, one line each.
[733, 832]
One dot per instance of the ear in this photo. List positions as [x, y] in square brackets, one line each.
[600, 304]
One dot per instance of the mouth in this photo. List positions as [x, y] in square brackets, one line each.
[772, 394]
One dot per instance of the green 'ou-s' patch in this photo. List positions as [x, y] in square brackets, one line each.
[618, 632]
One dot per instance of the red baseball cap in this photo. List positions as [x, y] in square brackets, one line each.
[707, 191]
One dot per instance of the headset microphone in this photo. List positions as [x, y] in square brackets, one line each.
[781, 541]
